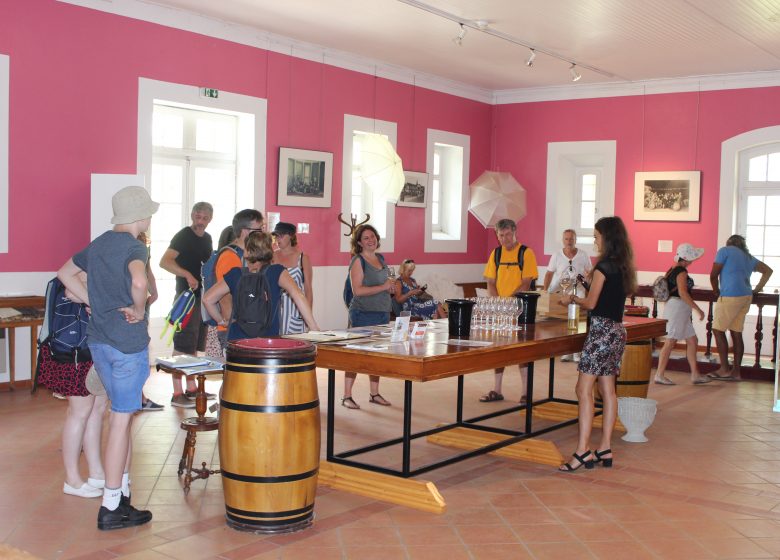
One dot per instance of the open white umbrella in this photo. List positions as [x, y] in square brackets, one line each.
[381, 166]
[496, 195]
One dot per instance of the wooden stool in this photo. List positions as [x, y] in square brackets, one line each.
[193, 425]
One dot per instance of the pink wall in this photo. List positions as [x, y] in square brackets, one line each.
[73, 112]
[682, 131]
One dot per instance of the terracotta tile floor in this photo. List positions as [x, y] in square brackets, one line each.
[707, 485]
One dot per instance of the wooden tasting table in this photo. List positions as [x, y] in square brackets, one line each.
[32, 308]
[432, 359]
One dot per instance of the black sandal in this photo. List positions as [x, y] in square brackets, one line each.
[606, 462]
[349, 402]
[378, 399]
[583, 459]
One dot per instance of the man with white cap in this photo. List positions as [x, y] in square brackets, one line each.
[116, 291]
[678, 313]
[730, 279]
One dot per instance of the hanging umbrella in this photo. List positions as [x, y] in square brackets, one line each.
[381, 166]
[496, 195]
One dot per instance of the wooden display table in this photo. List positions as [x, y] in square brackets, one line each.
[32, 308]
[432, 359]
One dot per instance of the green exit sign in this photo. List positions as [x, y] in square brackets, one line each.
[209, 92]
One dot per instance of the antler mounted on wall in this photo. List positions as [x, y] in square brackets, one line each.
[353, 226]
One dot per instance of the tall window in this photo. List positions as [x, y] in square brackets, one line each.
[586, 207]
[193, 158]
[446, 213]
[358, 198]
[758, 209]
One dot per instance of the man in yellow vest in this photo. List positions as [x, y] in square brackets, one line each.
[516, 271]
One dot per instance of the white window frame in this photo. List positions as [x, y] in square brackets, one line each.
[252, 123]
[564, 160]
[729, 178]
[5, 83]
[455, 238]
[352, 124]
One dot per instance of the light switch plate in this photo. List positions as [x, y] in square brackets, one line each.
[303, 228]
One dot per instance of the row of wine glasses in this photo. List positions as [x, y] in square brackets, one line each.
[496, 314]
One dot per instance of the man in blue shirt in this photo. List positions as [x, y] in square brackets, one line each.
[730, 279]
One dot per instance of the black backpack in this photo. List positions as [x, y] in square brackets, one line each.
[252, 304]
[64, 327]
[519, 263]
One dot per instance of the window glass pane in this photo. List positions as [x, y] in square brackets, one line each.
[436, 163]
[755, 209]
[209, 181]
[755, 239]
[773, 212]
[167, 221]
[167, 182]
[774, 167]
[215, 135]
[588, 191]
[771, 242]
[774, 264]
[167, 130]
[757, 169]
[436, 192]
[435, 213]
[588, 215]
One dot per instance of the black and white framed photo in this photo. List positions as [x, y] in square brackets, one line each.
[415, 191]
[667, 196]
[305, 178]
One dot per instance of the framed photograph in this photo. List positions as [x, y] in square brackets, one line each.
[415, 191]
[305, 178]
[667, 196]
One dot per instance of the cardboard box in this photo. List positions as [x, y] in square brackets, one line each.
[549, 305]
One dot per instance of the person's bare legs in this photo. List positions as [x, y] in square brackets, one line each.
[585, 408]
[609, 412]
[722, 344]
[79, 409]
[373, 381]
[93, 435]
[178, 387]
[690, 352]
[663, 360]
[117, 448]
[498, 380]
[739, 351]
[349, 381]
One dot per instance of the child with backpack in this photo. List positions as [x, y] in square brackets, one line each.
[256, 293]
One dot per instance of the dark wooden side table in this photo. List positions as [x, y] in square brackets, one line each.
[32, 317]
[195, 424]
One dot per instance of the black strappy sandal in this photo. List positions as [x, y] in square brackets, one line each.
[607, 462]
[583, 459]
[349, 402]
[378, 399]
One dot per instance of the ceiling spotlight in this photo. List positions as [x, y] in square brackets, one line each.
[575, 76]
[531, 58]
[462, 33]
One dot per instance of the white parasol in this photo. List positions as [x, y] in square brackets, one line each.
[381, 166]
[496, 195]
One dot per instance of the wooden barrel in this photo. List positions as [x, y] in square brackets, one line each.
[269, 435]
[635, 370]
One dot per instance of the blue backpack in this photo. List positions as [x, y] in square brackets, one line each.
[208, 273]
[64, 327]
[348, 295]
[180, 314]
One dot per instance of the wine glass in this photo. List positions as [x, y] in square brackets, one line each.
[391, 272]
[519, 306]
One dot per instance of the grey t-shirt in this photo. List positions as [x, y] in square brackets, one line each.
[105, 261]
[371, 277]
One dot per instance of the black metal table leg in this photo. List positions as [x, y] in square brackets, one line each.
[331, 422]
[459, 404]
[551, 388]
[407, 435]
[530, 398]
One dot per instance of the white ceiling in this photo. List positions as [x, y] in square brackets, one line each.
[633, 40]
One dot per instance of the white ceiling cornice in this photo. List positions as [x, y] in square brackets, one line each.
[250, 36]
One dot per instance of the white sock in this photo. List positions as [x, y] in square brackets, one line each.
[111, 497]
[126, 485]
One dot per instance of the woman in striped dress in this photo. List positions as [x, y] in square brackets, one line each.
[299, 266]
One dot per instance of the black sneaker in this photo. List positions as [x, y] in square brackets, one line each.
[123, 516]
[150, 406]
[192, 395]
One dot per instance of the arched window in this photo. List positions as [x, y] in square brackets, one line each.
[758, 205]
